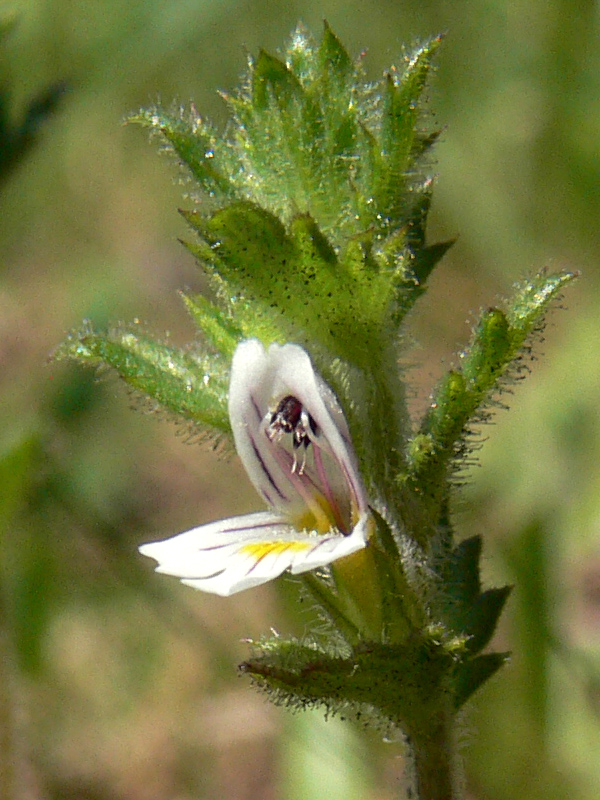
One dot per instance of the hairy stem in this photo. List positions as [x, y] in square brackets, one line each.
[434, 762]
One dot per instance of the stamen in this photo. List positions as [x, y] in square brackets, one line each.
[308, 490]
[309, 427]
[295, 462]
[290, 416]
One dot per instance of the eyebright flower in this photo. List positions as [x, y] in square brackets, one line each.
[293, 440]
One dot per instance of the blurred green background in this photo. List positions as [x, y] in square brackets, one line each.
[117, 684]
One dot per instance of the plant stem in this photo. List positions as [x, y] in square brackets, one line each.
[434, 762]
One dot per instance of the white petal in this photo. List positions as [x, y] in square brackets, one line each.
[235, 554]
[249, 399]
[258, 380]
[196, 552]
[294, 375]
[334, 547]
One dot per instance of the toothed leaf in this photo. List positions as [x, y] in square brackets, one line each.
[400, 115]
[482, 618]
[194, 144]
[460, 400]
[273, 83]
[220, 330]
[472, 674]
[462, 572]
[190, 386]
[390, 680]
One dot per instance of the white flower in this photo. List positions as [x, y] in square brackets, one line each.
[294, 442]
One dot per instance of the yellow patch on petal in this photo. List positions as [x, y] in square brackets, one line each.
[260, 550]
[318, 518]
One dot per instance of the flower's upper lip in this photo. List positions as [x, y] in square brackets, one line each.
[259, 381]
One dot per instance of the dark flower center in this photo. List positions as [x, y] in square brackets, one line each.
[290, 417]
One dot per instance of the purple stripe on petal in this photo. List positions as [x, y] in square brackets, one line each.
[262, 558]
[238, 528]
[351, 483]
[259, 416]
[267, 497]
[207, 577]
[265, 470]
[214, 547]
[319, 543]
[255, 564]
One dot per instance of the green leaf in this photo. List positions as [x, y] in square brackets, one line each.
[314, 248]
[194, 143]
[308, 137]
[249, 248]
[461, 574]
[401, 588]
[401, 110]
[405, 685]
[272, 82]
[330, 607]
[472, 674]
[300, 55]
[309, 145]
[336, 64]
[219, 329]
[417, 264]
[250, 245]
[443, 420]
[296, 275]
[489, 352]
[427, 258]
[423, 141]
[496, 351]
[482, 618]
[192, 386]
[417, 220]
[531, 301]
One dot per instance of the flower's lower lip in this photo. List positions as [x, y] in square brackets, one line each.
[258, 547]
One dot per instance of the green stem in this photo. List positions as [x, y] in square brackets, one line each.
[386, 426]
[434, 762]
[332, 607]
